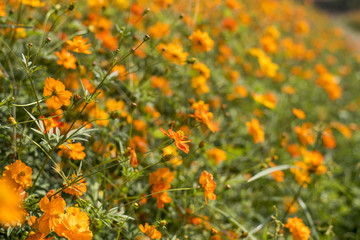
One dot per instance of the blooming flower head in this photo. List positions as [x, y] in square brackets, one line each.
[74, 225]
[161, 181]
[2, 9]
[73, 151]
[162, 177]
[201, 41]
[150, 231]
[299, 113]
[173, 52]
[305, 133]
[66, 59]
[203, 115]
[256, 130]
[178, 137]
[56, 93]
[208, 184]
[19, 173]
[268, 99]
[159, 30]
[217, 155]
[134, 162]
[78, 44]
[328, 139]
[53, 212]
[74, 186]
[11, 205]
[297, 228]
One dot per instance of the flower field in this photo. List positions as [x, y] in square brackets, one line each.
[164, 119]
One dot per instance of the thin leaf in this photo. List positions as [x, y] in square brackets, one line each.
[270, 170]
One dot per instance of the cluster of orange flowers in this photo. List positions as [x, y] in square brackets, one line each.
[161, 181]
[72, 225]
[15, 179]
[298, 229]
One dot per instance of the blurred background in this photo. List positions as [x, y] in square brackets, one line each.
[338, 5]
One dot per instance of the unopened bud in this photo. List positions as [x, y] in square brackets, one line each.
[135, 205]
[163, 223]
[146, 37]
[30, 45]
[47, 40]
[146, 11]
[11, 120]
[228, 187]
[191, 60]
[115, 115]
[77, 98]
[133, 106]
[201, 144]
[213, 231]
[71, 7]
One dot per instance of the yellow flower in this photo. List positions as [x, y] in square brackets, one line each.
[33, 3]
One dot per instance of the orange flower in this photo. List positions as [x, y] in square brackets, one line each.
[268, 99]
[37, 236]
[305, 134]
[11, 205]
[78, 44]
[217, 155]
[150, 231]
[277, 175]
[66, 59]
[330, 85]
[203, 115]
[290, 205]
[201, 41]
[208, 184]
[159, 30]
[298, 229]
[2, 10]
[162, 178]
[301, 173]
[202, 69]
[74, 225]
[134, 162]
[328, 139]
[74, 186]
[53, 213]
[199, 85]
[299, 113]
[256, 130]
[178, 137]
[138, 143]
[162, 84]
[72, 151]
[161, 181]
[19, 173]
[173, 52]
[162, 197]
[56, 93]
